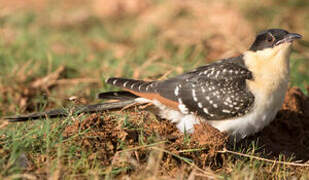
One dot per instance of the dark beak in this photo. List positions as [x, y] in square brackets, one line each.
[289, 38]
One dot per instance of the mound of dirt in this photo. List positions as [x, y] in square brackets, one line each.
[112, 137]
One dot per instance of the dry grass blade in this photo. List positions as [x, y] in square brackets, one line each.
[4, 124]
[48, 80]
[264, 159]
[21, 176]
[142, 68]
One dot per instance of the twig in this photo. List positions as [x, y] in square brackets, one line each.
[146, 105]
[264, 159]
[165, 75]
[130, 105]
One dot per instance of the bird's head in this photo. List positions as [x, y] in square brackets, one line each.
[272, 38]
[268, 57]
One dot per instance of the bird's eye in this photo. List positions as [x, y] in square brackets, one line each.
[270, 39]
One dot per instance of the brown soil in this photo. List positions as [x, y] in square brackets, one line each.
[110, 138]
[118, 143]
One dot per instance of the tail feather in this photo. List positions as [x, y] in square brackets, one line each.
[125, 98]
[116, 95]
[135, 85]
[38, 115]
[77, 110]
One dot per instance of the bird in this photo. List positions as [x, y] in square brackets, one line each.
[237, 95]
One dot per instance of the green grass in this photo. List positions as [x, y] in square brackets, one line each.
[91, 50]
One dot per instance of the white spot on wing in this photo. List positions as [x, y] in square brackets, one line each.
[125, 84]
[176, 92]
[182, 107]
[180, 101]
[203, 90]
[226, 111]
[217, 74]
[194, 95]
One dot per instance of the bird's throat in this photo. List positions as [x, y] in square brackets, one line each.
[270, 68]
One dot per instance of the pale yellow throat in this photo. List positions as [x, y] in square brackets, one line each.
[270, 68]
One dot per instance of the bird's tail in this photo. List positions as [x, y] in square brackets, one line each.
[116, 95]
[124, 98]
[133, 85]
[76, 110]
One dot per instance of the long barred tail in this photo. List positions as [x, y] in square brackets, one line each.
[135, 85]
[77, 110]
[124, 99]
